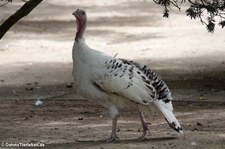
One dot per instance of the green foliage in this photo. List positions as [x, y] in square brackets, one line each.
[212, 8]
[211, 24]
[222, 24]
[166, 13]
[166, 4]
[163, 2]
[193, 12]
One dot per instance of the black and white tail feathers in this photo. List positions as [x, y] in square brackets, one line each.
[163, 96]
[163, 99]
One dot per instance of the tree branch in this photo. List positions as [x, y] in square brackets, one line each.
[22, 12]
[214, 9]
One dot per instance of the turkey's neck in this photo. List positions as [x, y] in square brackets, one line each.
[81, 26]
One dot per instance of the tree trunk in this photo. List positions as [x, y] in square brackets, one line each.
[22, 12]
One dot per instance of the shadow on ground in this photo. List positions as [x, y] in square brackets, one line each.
[180, 73]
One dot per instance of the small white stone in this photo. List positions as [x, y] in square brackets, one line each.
[38, 102]
[14, 92]
[193, 143]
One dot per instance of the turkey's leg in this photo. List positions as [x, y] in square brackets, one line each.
[144, 125]
[114, 136]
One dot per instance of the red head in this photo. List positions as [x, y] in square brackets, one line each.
[81, 19]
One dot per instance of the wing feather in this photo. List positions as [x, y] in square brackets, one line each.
[139, 84]
[126, 80]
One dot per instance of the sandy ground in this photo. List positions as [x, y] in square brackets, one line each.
[36, 62]
[79, 124]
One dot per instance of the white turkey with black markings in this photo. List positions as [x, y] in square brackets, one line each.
[117, 83]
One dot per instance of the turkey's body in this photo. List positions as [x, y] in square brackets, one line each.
[87, 65]
[117, 83]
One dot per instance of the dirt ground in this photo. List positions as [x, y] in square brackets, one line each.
[79, 124]
[36, 62]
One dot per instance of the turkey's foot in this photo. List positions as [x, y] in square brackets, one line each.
[113, 138]
[145, 131]
[144, 125]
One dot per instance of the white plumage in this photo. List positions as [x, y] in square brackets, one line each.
[117, 83]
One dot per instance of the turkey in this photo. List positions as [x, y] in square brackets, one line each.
[118, 83]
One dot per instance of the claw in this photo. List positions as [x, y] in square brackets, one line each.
[143, 136]
[145, 127]
[112, 139]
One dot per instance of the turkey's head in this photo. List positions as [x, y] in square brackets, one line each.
[81, 18]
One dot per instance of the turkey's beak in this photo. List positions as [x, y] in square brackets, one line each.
[75, 13]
